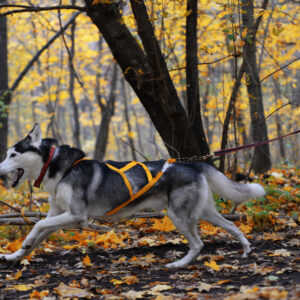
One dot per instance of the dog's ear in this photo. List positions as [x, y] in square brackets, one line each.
[35, 135]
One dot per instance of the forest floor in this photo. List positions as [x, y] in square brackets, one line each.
[270, 272]
[128, 262]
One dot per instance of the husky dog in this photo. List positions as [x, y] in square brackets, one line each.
[81, 189]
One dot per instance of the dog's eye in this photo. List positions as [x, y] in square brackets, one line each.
[13, 155]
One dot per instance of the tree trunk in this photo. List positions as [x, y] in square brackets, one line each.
[193, 95]
[127, 119]
[261, 160]
[147, 74]
[106, 113]
[76, 124]
[5, 95]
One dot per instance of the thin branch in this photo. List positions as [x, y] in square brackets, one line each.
[25, 8]
[134, 149]
[38, 54]
[204, 63]
[8, 205]
[69, 53]
[281, 68]
[276, 110]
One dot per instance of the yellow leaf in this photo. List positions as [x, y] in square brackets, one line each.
[212, 264]
[21, 287]
[13, 277]
[245, 228]
[116, 281]
[222, 282]
[131, 134]
[188, 12]
[87, 261]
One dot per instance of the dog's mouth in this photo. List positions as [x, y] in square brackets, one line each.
[16, 177]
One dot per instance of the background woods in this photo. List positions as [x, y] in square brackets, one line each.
[167, 78]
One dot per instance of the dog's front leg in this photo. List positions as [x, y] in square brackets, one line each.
[41, 231]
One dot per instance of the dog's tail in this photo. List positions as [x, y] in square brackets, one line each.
[237, 192]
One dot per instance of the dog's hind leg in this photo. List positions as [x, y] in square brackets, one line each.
[183, 211]
[213, 216]
[189, 231]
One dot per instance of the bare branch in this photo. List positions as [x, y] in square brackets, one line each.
[204, 63]
[25, 8]
[281, 68]
[8, 205]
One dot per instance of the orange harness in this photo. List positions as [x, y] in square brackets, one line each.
[151, 180]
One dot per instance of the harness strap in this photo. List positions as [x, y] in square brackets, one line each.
[79, 160]
[123, 176]
[145, 188]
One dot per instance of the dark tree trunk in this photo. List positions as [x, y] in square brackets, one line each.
[193, 95]
[147, 74]
[107, 112]
[76, 124]
[5, 95]
[261, 160]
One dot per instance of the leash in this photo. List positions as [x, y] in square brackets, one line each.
[235, 149]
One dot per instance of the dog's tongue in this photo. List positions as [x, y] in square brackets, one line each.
[18, 175]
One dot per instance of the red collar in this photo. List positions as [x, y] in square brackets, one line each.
[38, 181]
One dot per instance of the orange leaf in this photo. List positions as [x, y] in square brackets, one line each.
[87, 261]
[39, 295]
[15, 245]
[164, 224]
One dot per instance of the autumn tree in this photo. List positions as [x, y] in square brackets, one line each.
[146, 71]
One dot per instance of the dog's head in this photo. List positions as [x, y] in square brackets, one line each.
[25, 159]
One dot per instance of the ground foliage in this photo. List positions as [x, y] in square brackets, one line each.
[128, 261]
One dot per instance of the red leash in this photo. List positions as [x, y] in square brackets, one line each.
[225, 151]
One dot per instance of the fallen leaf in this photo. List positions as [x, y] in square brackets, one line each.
[13, 277]
[130, 279]
[39, 295]
[87, 261]
[164, 224]
[160, 288]
[212, 264]
[204, 287]
[21, 287]
[131, 295]
[70, 292]
[281, 252]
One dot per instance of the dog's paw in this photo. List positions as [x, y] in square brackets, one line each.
[3, 257]
[247, 250]
[10, 257]
[175, 265]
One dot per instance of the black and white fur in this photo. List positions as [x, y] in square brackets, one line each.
[91, 189]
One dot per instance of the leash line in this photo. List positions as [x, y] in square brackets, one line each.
[235, 149]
